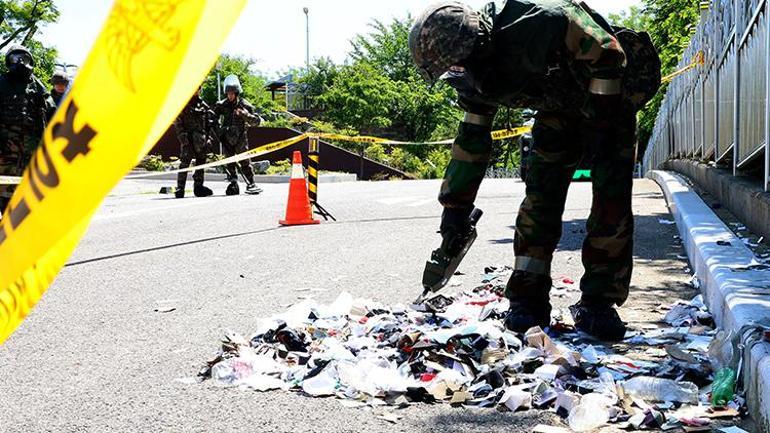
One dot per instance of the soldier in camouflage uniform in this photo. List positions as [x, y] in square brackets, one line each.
[193, 127]
[24, 109]
[60, 81]
[236, 114]
[561, 59]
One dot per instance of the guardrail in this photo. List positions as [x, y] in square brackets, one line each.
[719, 111]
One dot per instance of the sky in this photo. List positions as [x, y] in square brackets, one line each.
[272, 32]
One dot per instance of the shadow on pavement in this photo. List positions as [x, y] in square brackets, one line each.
[237, 235]
[490, 420]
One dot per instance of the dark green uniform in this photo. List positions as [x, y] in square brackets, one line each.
[547, 55]
[232, 133]
[24, 108]
[193, 128]
[56, 97]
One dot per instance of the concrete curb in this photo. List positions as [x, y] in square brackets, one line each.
[735, 294]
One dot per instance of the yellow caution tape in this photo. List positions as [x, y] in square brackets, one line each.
[149, 58]
[510, 133]
[10, 180]
[364, 139]
[698, 60]
[278, 145]
[253, 153]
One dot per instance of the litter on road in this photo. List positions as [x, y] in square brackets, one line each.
[455, 350]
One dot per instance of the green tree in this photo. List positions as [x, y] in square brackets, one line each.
[635, 18]
[19, 24]
[386, 47]
[252, 82]
[418, 109]
[359, 98]
[318, 80]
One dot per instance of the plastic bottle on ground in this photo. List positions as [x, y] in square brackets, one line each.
[657, 389]
[592, 412]
[723, 388]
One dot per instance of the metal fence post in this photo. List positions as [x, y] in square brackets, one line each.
[737, 96]
[717, 104]
[767, 96]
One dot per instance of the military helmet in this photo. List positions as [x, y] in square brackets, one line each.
[60, 77]
[22, 52]
[233, 84]
[442, 36]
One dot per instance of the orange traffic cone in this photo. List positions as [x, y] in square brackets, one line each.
[298, 210]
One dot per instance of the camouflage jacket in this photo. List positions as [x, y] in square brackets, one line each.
[195, 123]
[24, 109]
[233, 126]
[542, 55]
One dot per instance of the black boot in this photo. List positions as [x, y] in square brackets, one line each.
[530, 305]
[202, 191]
[179, 193]
[598, 319]
[526, 314]
[233, 189]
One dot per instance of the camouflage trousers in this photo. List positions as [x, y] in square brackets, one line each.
[233, 146]
[560, 142]
[14, 158]
[189, 151]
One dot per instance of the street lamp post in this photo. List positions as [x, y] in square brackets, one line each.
[307, 39]
[219, 98]
[219, 85]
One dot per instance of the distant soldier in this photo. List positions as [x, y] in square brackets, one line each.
[60, 82]
[24, 108]
[236, 114]
[192, 129]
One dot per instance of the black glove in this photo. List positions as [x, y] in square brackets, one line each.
[455, 220]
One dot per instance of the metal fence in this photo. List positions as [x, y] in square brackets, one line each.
[718, 112]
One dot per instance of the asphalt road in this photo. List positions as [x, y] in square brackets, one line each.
[95, 356]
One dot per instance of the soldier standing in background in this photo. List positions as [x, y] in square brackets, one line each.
[236, 115]
[24, 109]
[564, 60]
[192, 129]
[60, 82]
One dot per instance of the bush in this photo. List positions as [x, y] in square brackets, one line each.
[152, 163]
[280, 168]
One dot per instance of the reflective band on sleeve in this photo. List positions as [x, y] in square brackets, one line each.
[533, 265]
[478, 119]
[600, 86]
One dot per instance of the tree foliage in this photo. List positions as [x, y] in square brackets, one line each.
[386, 46]
[20, 20]
[634, 18]
[359, 98]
